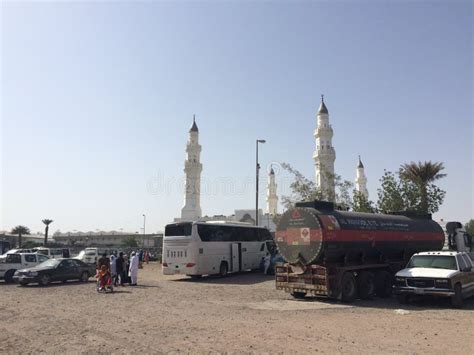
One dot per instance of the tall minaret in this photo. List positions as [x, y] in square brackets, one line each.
[324, 155]
[192, 168]
[272, 198]
[361, 180]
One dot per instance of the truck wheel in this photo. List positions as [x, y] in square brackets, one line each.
[9, 276]
[298, 295]
[366, 284]
[403, 299]
[223, 269]
[383, 284]
[456, 300]
[348, 287]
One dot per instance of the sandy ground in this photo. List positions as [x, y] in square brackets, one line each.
[238, 314]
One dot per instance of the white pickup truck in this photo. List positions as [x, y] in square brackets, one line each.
[437, 273]
[17, 261]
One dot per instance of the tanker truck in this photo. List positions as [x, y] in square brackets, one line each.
[347, 255]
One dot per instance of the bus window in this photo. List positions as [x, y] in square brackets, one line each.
[178, 230]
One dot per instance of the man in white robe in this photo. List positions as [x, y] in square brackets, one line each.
[133, 270]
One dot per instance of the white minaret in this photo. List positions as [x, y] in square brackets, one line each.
[192, 168]
[324, 155]
[272, 198]
[361, 180]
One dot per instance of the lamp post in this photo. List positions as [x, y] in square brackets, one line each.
[144, 223]
[257, 168]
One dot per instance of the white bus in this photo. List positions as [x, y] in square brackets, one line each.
[208, 248]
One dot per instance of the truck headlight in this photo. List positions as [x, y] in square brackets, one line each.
[442, 283]
[400, 281]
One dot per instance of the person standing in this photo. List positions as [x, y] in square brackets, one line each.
[126, 267]
[103, 260]
[266, 262]
[147, 256]
[113, 267]
[119, 265]
[134, 261]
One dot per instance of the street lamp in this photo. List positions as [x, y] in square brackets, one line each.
[144, 222]
[257, 168]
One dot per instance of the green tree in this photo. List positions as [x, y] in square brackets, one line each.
[46, 222]
[470, 227]
[304, 189]
[360, 203]
[397, 193]
[422, 175]
[20, 230]
[130, 242]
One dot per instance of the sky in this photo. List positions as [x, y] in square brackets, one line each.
[97, 98]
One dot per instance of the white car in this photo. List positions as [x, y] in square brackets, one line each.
[16, 261]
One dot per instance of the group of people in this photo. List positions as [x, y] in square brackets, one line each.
[122, 268]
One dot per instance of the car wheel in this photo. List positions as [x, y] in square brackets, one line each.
[366, 284]
[9, 276]
[45, 280]
[223, 269]
[383, 284]
[348, 287]
[456, 299]
[298, 295]
[84, 276]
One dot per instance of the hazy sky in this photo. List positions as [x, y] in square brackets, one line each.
[98, 97]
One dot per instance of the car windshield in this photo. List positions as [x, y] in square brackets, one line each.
[49, 263]
[433, 261]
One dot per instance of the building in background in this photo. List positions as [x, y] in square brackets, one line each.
[272, 198]
[324, 155]
[192, 169]
[361, 180]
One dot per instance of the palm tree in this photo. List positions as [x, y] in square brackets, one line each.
[47, 222]
[422, 174]
[20, 230]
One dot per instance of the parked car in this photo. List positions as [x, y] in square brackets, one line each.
[55, 270]
[88, 255]
[14, 261]
[441, 273]
[54, 253]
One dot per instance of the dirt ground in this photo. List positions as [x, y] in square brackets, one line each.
[238, 314]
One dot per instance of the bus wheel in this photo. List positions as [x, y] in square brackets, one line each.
[223, 269]
[348, 287]
[383, 284]
[366, 284]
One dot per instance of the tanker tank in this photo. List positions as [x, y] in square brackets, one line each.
[316, 233]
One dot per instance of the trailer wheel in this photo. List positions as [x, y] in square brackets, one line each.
[383, 284]
[298, 295]
[348, 287]
[366, 284]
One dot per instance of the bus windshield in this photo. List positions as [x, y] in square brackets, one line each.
[178, 230]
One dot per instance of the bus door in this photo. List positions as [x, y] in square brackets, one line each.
[236, 257]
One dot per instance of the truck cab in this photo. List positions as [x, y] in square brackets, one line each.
[16, 261]
[438, 273]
